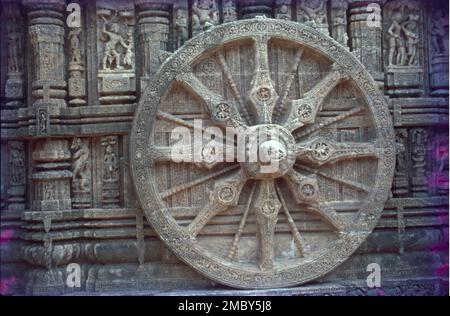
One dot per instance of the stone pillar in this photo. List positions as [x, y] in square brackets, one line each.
[250, 8]
[51, 175]
[438, 52]
[153, 26]
[366, 35]
[46, 28]
[77, 80]
[14, 95]
[51, 171]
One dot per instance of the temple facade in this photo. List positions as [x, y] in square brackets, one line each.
[356, 93]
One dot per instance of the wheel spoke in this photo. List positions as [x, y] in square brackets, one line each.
[325, 211]
[304, 110]
[287, 87]
[299, 242]
[209, 155]
[321, 151]
[191, 184]
[237, 236]
[317, 126]
[225, 194]
[234, 89]
[267, 207]
[352, 184]
[305, 191]
[223, 112]
[263, 95]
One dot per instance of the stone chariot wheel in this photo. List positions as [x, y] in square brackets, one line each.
[325, 158]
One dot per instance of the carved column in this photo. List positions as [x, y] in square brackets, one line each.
[51, 175]
[314, 14]
[402, 22]
[438, 34]
[153, 24]
[77, 80]
[46, 28]
[116, 53]
[366, 35]
[51, 172]
[250, 8]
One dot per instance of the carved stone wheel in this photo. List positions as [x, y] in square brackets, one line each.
[232, 221]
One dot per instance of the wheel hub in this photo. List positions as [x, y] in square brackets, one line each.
[270, 151]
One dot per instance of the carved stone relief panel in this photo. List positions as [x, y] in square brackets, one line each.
[313, 13]
[438, 48]
[240, 222]
[116, 52]
[403, 50]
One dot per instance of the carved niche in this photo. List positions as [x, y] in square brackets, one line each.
[403, 48]
[116, 59]
[302, 102]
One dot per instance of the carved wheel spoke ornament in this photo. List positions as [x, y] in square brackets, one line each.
[259, 227]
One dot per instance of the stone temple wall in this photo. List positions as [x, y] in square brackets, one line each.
[69, 92]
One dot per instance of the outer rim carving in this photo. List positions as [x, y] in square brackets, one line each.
[165, 225]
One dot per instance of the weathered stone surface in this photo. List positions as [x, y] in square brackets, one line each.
[357, 91]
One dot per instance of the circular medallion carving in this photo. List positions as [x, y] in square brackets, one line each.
[315, 153]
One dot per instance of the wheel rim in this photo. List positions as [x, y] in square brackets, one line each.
[266, 200]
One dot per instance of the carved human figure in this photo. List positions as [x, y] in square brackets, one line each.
[313, 11]
[283, 12]
[181, 27]
[80, 163]
[396, 42]
[204, 14]
[439, 32]
[43, 122]
[49, 191]
[110, 163]
[409, 28]
[339, 29]
[14, 40]
[75, 50]
[17, 166]
[229, 11]
[112, 57]
[128, 58]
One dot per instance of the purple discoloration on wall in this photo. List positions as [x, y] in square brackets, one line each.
[6, 284]
[6, 235]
